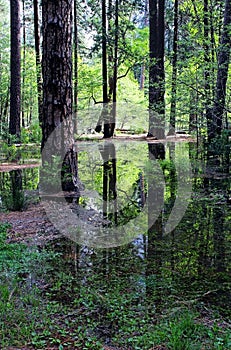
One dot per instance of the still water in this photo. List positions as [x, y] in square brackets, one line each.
[150, 223]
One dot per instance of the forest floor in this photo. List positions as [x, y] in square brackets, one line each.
[30, 226]
[184, 137]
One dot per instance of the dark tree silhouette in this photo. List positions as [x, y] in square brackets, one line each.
[15, 89]
[38, 57]
[222, 75]
[174, 71]
[156, 69]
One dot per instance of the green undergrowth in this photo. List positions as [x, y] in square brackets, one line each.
[44, 304]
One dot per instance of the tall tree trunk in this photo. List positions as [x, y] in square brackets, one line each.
[15, 88]
[110, 49]
[213, 50]
[222, 73]
[104, 118]
[207, 66]
[104, 71]
[174, 71]
[156, 69]
[38, 58]
[23, 63]
[143, 66]
[56, 65]
[115, 69]
[57, 91]
[109, 66]
[75, 66]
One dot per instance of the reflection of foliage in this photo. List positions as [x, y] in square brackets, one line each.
[14, 202]
[18, 196]
[133, 205]
[13, 197]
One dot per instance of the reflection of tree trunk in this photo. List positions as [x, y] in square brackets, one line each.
[17, 194]
[172, 171]
[217, 212]
[173, 189]
[155, 227]
[109, 182]
[219, 239]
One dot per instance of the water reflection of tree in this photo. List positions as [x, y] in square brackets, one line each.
[155, 226]
[217, 183]
[172, 183]
[209, 209]
[17, 196]
[108, 153]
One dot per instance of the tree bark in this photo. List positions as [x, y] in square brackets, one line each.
[115, 68]
[23, 64]
[156, 69]
[75, 65]
[143, 66]
[222, 74]
[15, 88]
[38, 58]
[57, 69]
[106, 130]
[57, 121]
[174, 72]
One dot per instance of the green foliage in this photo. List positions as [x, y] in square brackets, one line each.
[220, 145]
[31, 134]
[89, 83]
[11, 152]
[29, 102]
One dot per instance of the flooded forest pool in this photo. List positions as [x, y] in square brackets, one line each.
[146, 236]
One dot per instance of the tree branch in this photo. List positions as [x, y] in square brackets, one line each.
[95, 102]
[201, 93]
[125, 74]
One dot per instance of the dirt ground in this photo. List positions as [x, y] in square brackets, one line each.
[30, 226]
